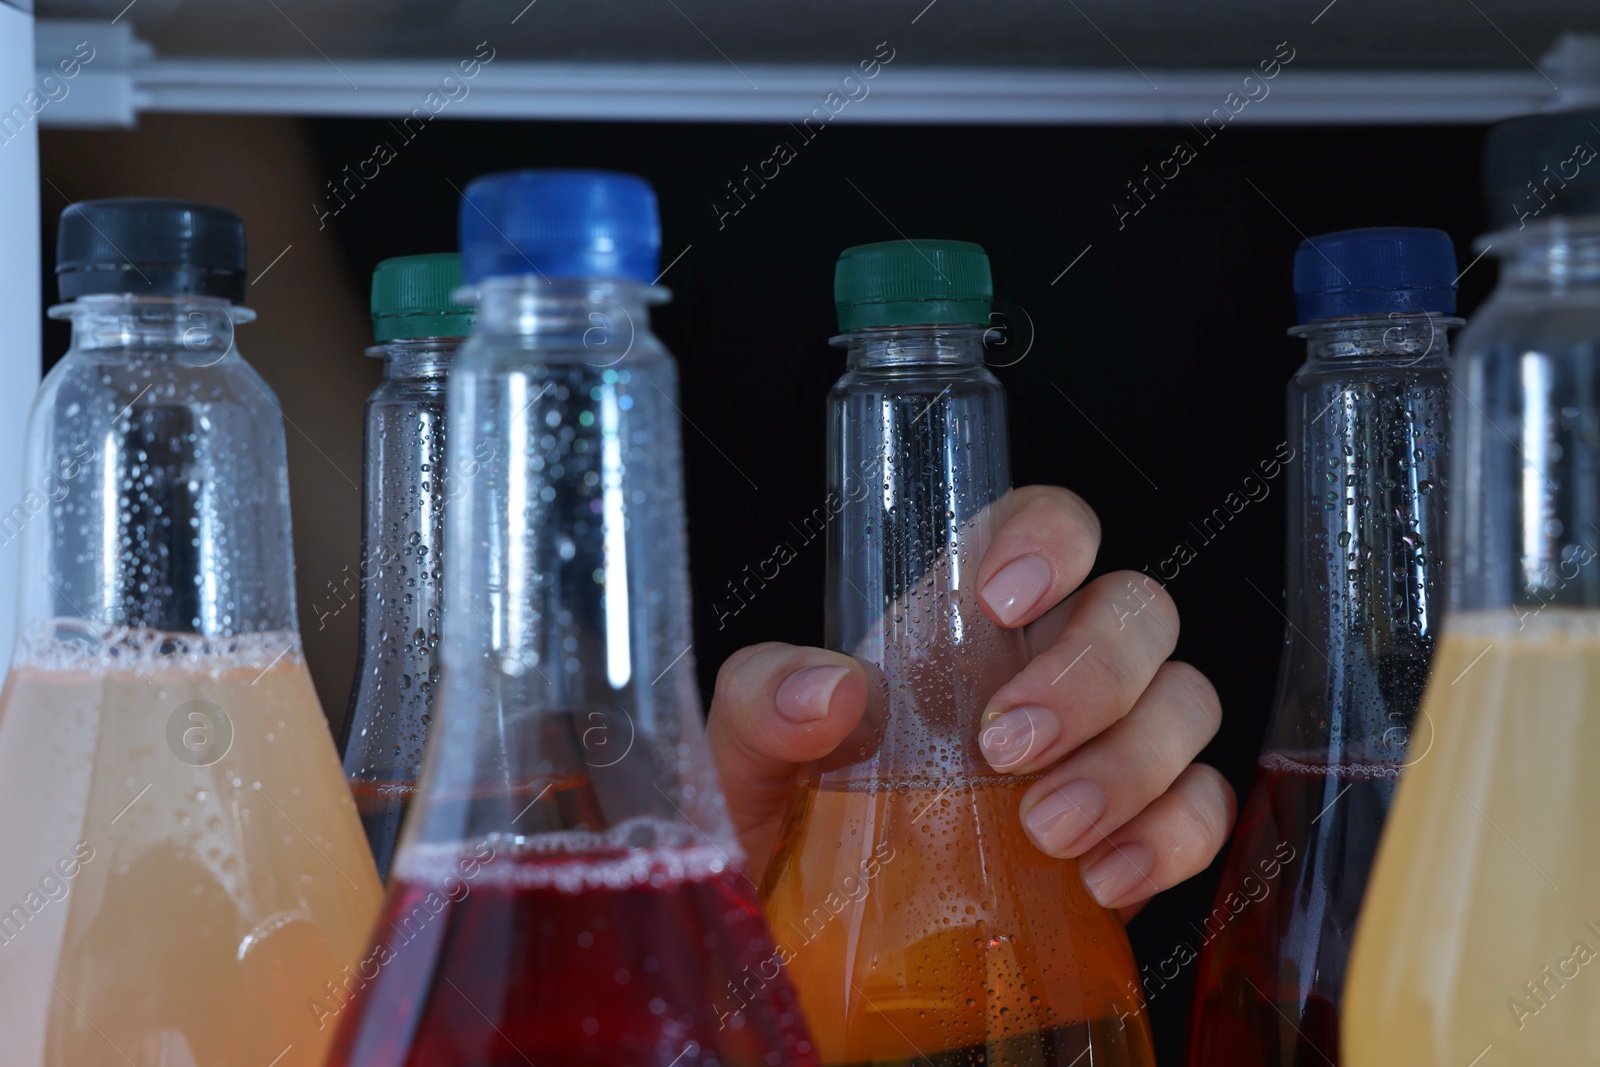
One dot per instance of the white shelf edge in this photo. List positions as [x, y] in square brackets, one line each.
[123, 82]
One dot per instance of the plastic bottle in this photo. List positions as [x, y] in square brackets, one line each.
[418, 328]
[924, 927]
[1368, 446]
[184, 869]
[1481, 926]
[568, 888]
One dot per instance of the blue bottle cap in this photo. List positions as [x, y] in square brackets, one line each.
[1373, 272]
[560, 224]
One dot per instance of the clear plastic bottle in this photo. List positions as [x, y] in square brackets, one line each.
[568, 888]
[418, 327]
[924, 927]
[1366, 452]
[184, 869]
[1480, 929]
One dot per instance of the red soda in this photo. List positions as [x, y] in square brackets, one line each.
[1275, 946]
[565, 951]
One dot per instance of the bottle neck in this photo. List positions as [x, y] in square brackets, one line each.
[417, 360]
[1555, 256]
[910, 347]
[1524, 506]
[1368, 425]
[166, 452]
[406, 488]
[1393, 339]
[600, 313]
[917, 471]
[568, 697]
[198, 330]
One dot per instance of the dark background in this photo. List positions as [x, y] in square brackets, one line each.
[1153, 385]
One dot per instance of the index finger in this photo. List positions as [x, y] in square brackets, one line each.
[775, 708]
[1042, 552]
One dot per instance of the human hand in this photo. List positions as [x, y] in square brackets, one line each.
[1119, 791]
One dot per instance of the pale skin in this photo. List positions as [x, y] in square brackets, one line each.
[1120, 791]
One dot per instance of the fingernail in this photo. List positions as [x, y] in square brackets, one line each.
[1010, 739]
[1065, 815]
[1113, 878]
[1017, 587]
[804, 695]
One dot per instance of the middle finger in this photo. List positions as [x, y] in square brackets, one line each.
[1104, 657]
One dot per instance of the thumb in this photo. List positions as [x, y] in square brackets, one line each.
[777, 707]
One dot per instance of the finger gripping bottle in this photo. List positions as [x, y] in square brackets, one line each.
[568, 888]
[1480, 926]
[406, 489]
[924, 926]
[184, 868]
[1367, 448]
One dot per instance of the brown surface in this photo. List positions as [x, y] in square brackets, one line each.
[307, 342]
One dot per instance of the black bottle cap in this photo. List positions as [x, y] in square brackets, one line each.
[151, 247]
[1540, 166]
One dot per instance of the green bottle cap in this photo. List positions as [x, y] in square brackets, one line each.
[411, 298]
[913, 283]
